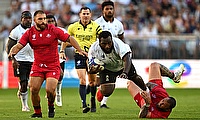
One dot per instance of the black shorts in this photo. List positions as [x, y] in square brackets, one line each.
[107, 76]
[23, 71]
[80, 61]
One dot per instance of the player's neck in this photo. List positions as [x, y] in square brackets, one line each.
[108, 19]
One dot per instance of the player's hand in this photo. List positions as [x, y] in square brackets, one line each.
[123, 75]
[15, 64]
[93, 69]
[62, 56]
[83, 53]
[146, 96]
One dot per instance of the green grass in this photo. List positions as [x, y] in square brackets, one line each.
[122, 107]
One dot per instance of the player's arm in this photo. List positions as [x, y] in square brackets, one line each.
[14, 50]
[144, 111]
[121, 37]
[62, 49]
[127, 65]
[75, 44]
[10, 44]
[151, 85]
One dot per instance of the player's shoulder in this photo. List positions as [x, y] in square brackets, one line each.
[74, 25]
[117, 21]
[95, 44]
[17, 28]
[99, 19]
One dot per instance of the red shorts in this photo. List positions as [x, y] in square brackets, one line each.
[139, 100]
[45, 72]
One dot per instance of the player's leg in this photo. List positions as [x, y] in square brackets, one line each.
[24, 72]
[175, 76]
[35, 85]
[51, 84]
[82, 88]
[137, 79]
[154, 71]
[92, 83]
[106, 76]
[58, 99]
[80, 65]
[134, 90]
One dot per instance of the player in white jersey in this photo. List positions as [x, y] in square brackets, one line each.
[116, 57]
[23, 60]
[52, 20]
[108, 22]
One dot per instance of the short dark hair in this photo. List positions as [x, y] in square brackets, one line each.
[105, 3]
[51, 16]
[38, 12]
[85, 8]
[26, 14]
[172, 102]
[105, 34]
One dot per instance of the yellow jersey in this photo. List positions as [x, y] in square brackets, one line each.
[85, 35]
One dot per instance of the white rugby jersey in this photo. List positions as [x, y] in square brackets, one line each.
[113, 61]
[26, 53]
[115, 27]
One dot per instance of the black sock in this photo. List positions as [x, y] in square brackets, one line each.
[82, 92]
[93, 90]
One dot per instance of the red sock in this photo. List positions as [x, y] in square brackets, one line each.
[50, 103]
[37, 109]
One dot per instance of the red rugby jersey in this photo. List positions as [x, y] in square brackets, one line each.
[44, 44]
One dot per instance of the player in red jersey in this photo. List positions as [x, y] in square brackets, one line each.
[43, 38]
[155, 102]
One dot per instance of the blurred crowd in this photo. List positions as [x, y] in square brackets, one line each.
[139, 17]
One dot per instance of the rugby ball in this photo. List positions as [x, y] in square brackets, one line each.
[95, 62]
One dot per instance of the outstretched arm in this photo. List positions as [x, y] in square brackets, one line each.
[127, 65]
[75, 44]
[14, 50]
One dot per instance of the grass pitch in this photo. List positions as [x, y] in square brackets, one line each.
[122, 106]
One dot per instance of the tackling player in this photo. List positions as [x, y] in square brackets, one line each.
[22, 61]
[155, 103]
[85, 31]
[43, 38]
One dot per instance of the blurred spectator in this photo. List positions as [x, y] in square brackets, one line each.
[151, 32]
[9, 21]
[31, 5]
[75, 5]
[197, 14]
[67, 16]
[165, 19]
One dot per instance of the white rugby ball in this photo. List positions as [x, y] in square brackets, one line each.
[95, 62]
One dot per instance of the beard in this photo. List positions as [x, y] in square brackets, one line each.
[41, 26]
[109, 15]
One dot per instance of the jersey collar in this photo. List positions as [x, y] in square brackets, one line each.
[107, 20]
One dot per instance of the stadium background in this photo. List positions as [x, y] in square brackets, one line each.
[177, 42]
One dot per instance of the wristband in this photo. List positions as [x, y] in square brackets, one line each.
[62, 51]
[147, 105]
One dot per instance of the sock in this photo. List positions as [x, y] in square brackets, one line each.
[82, 93]
[24, 99]
[166, 72]
[104, 100]
[93, 90]
[139, 82]
[58, 89]
[37, 109]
